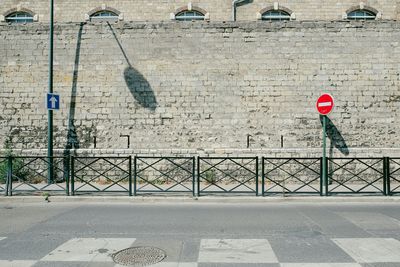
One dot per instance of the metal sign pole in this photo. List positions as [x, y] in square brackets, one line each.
[324, 180]
[50, 112]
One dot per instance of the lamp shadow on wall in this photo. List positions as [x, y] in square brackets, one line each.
[72, 136]
[136, 82]
[335, 136]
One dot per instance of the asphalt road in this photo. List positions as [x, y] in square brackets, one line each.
[202, 234]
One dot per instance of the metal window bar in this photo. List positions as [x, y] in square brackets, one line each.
[361, 15]
[393, 185]
[291, 176]
[101, 175]
[356, 175]
[29, 175]
[227, 175]
[189, 16]
[164, 175]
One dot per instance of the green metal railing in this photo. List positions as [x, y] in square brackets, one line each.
[291, 176]
[227, 175]
[101, 175]
[207, 175]
[164, 175]
[28, 175]
[393, 175]
[356, 176]
[4, 175]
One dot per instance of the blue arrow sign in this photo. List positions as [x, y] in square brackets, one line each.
[53, 101]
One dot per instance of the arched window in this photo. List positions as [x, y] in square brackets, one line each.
[361, 14]
[19, 17]
[275, 15]
[189, 15]
[104, 15]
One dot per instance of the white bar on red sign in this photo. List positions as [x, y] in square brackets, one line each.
[325, 104]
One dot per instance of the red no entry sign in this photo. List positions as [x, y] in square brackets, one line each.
[325, 104]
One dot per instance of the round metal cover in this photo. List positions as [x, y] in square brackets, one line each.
[139, 256]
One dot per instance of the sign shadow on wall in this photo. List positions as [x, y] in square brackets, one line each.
[335, 137]
[136, 82]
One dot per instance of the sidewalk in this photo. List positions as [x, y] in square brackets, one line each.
[203, 199]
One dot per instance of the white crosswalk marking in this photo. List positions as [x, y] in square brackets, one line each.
[369, 250]
[320, 265]
[16, 263]
[217, 252]
[236, 251]
[170, 264]
[89, 249]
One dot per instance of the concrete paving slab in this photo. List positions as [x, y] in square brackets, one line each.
[236, 251]
[371, 250]
[89, 249]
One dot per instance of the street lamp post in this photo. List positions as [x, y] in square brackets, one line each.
[50, 111]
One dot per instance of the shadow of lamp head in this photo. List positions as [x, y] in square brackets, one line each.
[140, 88]
[335, 136]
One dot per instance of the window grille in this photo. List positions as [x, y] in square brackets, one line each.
[275, 15]
[189, 15]
[361, 15]
[19, 17]
[104, 15]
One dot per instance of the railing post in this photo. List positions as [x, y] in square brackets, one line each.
[67, 161]
[320, 177]
[130, 176]
[386, 176]
[198, 176]
[193, 176]
[73, 175]
[326, 176]
[9, 176]
[134, 175]
[263, 176]
[257, 176]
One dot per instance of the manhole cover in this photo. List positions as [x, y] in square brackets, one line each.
[139, 256]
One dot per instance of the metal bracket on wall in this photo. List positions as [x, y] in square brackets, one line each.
[128, 139]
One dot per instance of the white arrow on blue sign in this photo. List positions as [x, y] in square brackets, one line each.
[53, 101]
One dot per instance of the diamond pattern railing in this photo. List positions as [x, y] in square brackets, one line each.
[291, 176]
[227, 175]
[164, 175]
[31, 175]
[101, 175]
[356, 175]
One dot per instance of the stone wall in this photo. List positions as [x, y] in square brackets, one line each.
[219, 10]
[204, 87]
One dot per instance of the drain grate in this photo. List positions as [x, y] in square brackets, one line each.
[139, 256]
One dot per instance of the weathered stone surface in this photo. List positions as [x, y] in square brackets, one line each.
[219, 10]
[203, 85]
